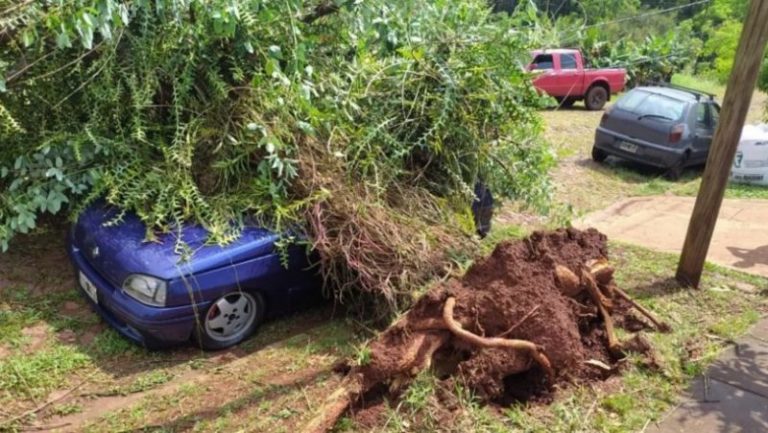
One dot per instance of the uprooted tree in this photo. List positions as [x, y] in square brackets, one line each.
[535, 314]
[360, 126]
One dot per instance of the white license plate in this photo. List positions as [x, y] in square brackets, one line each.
[628, 147]
[88, 288]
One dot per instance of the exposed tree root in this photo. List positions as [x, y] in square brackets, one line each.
[660, 325]
[501, 297]
[536, 352]
[520, 322]
[613, 342]
[423, 344]
[334, 406]
[567, 281]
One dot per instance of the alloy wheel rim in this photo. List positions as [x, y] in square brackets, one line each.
[230, 316]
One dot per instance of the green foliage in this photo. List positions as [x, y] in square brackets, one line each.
[762, 81]
[722, 46]
[209, 111]
[618, 37]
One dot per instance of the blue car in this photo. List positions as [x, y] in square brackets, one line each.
[216, 298]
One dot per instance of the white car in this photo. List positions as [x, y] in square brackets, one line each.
[751, 162]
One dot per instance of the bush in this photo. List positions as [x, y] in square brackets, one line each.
[362, 125]
[762, 81]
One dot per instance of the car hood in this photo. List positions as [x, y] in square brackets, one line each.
[118, 250]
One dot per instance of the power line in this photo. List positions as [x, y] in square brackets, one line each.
[651, 13]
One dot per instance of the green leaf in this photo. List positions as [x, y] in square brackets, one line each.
[63, 41]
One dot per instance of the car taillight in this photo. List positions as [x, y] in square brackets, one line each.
[604, 118]
[676, 134]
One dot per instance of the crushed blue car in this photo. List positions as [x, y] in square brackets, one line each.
[215, 298]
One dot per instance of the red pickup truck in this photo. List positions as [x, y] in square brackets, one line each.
[561, 74]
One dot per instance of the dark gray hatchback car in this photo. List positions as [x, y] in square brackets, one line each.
[666, 127]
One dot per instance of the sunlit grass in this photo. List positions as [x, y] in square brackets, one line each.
[699, 83]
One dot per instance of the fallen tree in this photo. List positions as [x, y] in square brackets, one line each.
[360, 126]
[517, 325]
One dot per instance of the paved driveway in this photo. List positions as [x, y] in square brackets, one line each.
[741, 234]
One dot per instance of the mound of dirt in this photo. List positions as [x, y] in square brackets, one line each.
[513, 294]
[535, 314]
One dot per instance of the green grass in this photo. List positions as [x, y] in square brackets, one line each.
[33, 375]
[699, 83]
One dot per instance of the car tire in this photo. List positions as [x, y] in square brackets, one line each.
[596, 98]
[598, 155]
[229, 320]
[676, 171]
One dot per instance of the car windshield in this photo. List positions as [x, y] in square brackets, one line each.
[647, 104]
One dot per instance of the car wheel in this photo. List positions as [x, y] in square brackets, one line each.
[598, 155]
[596, 98]
[676, 171]
[230, 319]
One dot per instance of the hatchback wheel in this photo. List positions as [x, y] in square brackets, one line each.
[596, 98]
[673, 173]
[598, 155]
[230, 319]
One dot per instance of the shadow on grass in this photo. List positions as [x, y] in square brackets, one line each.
[658, 288]
[637, 173]
[217, 410]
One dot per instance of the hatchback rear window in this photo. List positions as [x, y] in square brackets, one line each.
[652, 105]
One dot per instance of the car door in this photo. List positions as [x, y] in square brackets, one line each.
[704, 130]
[546, 79]
[571, 77]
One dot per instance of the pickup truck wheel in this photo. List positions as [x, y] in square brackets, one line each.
[229, 320]
[596, 98]
[598, 155]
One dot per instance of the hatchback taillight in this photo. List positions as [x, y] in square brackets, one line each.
[604, 118]
[676, 133]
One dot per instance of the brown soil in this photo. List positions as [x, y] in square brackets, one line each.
[513, 294]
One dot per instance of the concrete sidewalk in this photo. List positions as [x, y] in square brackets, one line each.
[740, 240]
[732, 396]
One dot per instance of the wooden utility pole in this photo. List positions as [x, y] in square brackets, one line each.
[738, 96]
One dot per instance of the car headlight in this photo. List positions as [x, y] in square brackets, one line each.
[146, 289]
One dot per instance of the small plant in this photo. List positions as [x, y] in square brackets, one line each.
[362, 355]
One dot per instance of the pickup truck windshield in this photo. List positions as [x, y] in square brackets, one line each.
[651, 105]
